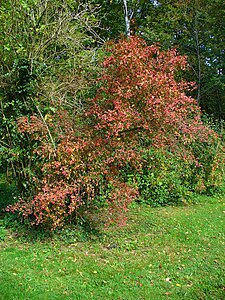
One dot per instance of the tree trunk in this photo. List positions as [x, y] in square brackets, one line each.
[127, 21]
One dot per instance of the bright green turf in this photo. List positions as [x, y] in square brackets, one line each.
[163, 253]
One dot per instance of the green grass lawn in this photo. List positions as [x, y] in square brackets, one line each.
[162, 253]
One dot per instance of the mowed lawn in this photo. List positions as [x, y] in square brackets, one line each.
[162, 253]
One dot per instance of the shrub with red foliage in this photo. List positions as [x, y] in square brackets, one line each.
[139, 105]
[140, 97]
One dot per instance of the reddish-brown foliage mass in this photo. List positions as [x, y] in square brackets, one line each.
[140, 104]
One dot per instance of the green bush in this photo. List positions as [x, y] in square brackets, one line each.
[160, 181]
[168, 179]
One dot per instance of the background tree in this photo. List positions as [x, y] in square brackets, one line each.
[113, 16]
[195, 29]
[46, 60]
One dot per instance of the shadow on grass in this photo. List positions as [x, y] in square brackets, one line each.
[68, 234]
[81, 231]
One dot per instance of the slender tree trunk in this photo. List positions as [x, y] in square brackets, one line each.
[199, 71]
[127, 21]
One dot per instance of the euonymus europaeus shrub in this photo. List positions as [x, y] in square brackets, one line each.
[140, 137]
